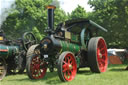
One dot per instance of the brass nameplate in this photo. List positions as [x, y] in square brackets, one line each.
[67, 35]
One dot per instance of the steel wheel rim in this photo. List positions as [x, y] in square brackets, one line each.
[3, 69]
[102, 55]
[69, 67]
[37, 68]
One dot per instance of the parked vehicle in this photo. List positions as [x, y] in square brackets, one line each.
[117, 56]
[13, 53]
[72, 45]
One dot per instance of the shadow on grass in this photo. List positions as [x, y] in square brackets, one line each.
[85, 72]
[48, 75]
[54, 82]
[58, 81]
[49, 78]
[118, 69]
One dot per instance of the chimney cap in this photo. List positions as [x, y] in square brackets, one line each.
[51, 7]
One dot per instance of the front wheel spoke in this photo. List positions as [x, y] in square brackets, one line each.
[37, 72]
[65, 75]
[65, 69]
[34, 66]
[69, 60]
[65, 62]
[69, 74]
[71, 63]
[65, 59]
[33, 72]
[64, 66]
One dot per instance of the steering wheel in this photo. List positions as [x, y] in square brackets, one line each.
[28, 40]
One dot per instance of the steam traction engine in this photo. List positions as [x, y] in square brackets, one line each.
[13, 53]
[71, 46]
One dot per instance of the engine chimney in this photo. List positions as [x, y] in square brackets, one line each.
[51, 9]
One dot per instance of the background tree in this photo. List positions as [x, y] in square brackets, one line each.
[79, 12]
[113, 15]
[30, 15]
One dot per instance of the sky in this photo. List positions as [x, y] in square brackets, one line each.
[66, 5]
[69, 5]
[4, 5]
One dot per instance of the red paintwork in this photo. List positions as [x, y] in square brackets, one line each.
[69, 67]
[38, 68]
[102, 55]
[3, 50]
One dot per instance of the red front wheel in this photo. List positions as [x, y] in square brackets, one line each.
[67, 67]
[36, 68]
[97, 55]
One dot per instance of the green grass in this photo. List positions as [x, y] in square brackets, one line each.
[115, 75]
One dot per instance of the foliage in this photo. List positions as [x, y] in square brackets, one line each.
[30, 15]
[79, 12]
[113, 15]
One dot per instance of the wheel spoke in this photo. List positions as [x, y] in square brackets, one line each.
[102, 64]
[37, 68]
[65, 75]
[101, 49]
[100, 44]
[68, 67]
[101, 60]
[64, 68]
[97, 52]
[65, 62]
[69, 75]
[69, 60]
[28, 39]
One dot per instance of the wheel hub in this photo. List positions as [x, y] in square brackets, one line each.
[100, 55]
[69, 67]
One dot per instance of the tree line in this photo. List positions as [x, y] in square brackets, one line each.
[31, 15]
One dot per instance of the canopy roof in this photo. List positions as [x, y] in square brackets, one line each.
[76, 25]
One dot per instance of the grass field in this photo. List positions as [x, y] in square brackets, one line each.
[115, 75]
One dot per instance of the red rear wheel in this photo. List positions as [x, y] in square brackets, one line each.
[36, 68]
[67, 67]
[97, 55]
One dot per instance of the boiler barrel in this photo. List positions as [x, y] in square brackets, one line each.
[8, 51]
[53, 45]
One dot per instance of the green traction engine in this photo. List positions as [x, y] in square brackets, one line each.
[72, 45]
[13, 53]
